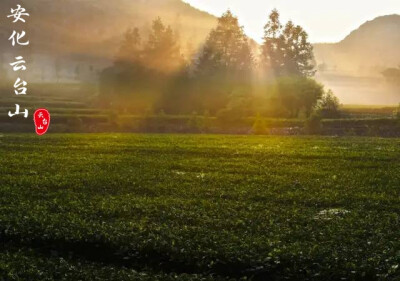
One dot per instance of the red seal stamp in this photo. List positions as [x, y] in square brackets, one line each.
[42, 121]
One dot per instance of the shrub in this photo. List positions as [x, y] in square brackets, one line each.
[113, 119]
[313, 125]
[75, 124]
[259, 127]
[195, 123]
[373, 130]
[207, 121]
[329, 106]
[294, 95]
[351, 132]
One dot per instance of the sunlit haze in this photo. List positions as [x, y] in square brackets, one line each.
[325, 21]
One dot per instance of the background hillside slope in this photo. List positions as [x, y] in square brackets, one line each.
[353, 67]
[365, 51]
[95, 26]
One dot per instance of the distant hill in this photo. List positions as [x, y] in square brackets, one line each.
[353, 68]
[82, 36]
[367, 51]
[94, 27]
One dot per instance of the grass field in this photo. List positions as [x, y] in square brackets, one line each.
[181, 207]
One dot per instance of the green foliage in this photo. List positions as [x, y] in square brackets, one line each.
[221, 77]
[141, 71]
[239, 107]
[195, 123]
[286, 50]
[296, 95]
[224, 67]
[226, 50]
[207, 121]
[162, 51]
[214, 207]
[367, 111]
[114, 119]
[26, 264]
[329, 106]
[129, 51]
[373, 130]
[180, 96]
[351, 132]
[75, 124]
[313, 125]
[259, 127]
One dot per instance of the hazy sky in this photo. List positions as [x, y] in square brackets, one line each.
[324, 20]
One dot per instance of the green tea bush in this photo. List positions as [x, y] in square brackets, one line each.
[259, 126]
[313, 125]
[102, 206]
[74, 124]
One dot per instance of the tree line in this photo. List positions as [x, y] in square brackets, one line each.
[229, 76]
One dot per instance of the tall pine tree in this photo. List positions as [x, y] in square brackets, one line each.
[226, 50]
[224, 66]
[129, 51]
[286, 50]
[162, 51]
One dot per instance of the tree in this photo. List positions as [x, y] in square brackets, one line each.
[329, 106]
[286, 50]
[162, 51]
[224, 66]
[272, 48]
[313, 125]
[220, 72]
[226, 50]
[310, 92]
[141, 72]
[129, 51]
[259, 127]
[239, 106]
[296, 94]
[126, 77]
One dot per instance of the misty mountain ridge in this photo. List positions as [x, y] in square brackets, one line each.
[95, 27]
[366, 51]
[353, 67]
[71, 36]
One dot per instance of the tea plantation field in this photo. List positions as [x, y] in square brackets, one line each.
[184, 207]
